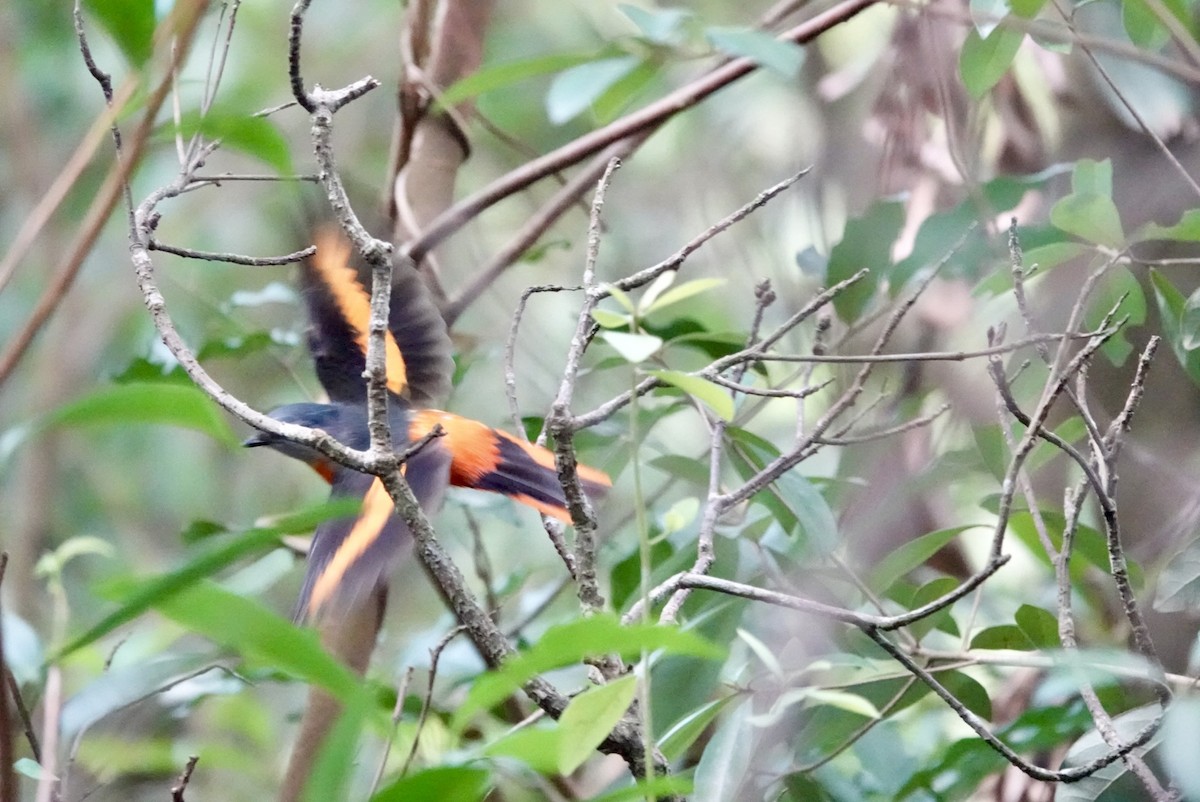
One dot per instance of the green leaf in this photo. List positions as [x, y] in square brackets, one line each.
[28, 767]
[763, 652]
[726, 759]
[713, 396]
[843, 700]
[1003, 636]
[682, 292]
[866, 242]
[620, 296]
[570, 643]
[130, 23]
[801, 786]
[238, 346]
[589, 718]
[957, 773]
[635, 348]
[679, 515]
[443, 783]
[254, 136]
[1054, 36]
[610, 320]
[804, 697]
[1053, 255]
[911, 555]
[536, 747]
[1027, 8]
[666, 26]
[1186, 230]
[785, 58]
[1090, 547]
[685, 732]
[1091, 217]
[983, 62]
[1171, 305]
[171, 404]
[653, 788]
[968, 691]
[943, 619]
[499, 76]
[1043, 728]
[792, 499]
[1143, 25]
[625, 579]
[970, 253]
[575, 89]
[993, 450]
[1091, 177]
[621, 94]
[307, 519]
[1040, 626]
[201, 529]
[256, 633]
[153, 592]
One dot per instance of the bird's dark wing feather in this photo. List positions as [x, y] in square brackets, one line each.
[417, 345]
[350, 556]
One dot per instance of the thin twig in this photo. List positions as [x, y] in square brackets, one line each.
[928, 356]
[184, 778]
[558, 422]
[397, 714]
[235, 258]
[435, 654]
[8, 777]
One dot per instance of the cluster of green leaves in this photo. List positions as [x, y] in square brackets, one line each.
[1000, 27]
[607, 81]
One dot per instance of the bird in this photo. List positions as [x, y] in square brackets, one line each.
[352, 555]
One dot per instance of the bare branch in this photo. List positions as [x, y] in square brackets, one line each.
[558, 422]
[234, 258]
[647, 118]
[184, 778]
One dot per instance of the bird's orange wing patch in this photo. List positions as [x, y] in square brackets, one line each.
[376, 510]
[331, 266]
[484, 458]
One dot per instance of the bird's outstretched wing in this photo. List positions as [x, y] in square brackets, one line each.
[350, 556]
[417, 344]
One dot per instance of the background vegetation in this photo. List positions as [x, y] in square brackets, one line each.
[950, 509]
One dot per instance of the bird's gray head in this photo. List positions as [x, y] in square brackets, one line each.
[345, 423]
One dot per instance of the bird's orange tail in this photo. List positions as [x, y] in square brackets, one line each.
[484, 458]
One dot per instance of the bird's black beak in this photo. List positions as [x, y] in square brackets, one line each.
[256, 439]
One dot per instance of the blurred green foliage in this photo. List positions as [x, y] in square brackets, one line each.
[149, 556]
